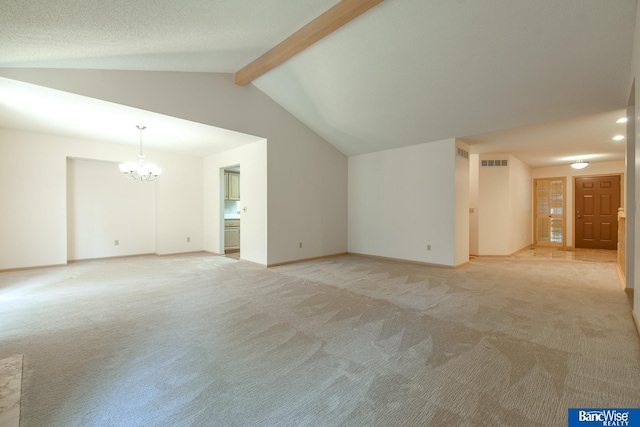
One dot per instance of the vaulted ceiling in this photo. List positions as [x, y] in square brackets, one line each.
[541, 79]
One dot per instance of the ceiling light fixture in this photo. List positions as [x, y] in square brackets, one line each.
[618, 138]
[579, 164]
[622, 120]
[139, 170]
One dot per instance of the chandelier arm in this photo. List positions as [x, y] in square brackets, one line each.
[140, 172]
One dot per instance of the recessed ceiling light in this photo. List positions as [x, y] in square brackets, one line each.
[622, 120]
[618, 138]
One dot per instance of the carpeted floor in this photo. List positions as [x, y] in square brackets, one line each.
[198, 340]
[10, 390]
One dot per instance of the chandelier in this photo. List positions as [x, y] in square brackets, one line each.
[139, 170]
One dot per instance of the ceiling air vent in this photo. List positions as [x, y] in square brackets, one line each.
[502, 162]
[462, 153]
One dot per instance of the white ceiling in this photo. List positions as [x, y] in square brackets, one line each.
[558, 142]
[548, 76]
[39, 109]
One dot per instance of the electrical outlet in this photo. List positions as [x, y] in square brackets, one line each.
[116, 242]
[428, 247]
[188, 239]
[300, 245]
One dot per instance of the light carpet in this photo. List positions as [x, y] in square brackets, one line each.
[10, 390]
[198, 340]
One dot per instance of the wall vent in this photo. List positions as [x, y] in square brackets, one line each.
[463, 153]
[500, 162]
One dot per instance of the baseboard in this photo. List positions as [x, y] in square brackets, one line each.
[33, 267]
[636, 322]
[409, 261]
[185, 253]
[72, 261]
[496, 256]
[623, 280]
[295, 261]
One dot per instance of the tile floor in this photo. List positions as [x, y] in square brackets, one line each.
[233, 255]
[594, 255]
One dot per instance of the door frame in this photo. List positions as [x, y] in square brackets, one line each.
[564, 210]
[573, 198]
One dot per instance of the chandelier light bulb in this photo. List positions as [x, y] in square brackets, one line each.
[139, 170]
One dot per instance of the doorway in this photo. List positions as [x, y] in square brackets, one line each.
[549, 221]
[597, 199]
[230, 194]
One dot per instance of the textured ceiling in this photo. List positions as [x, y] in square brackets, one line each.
[187, 35]
[405, 72]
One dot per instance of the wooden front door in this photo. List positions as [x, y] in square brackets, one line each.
[597, 200]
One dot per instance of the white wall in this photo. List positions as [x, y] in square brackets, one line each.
[402, 200]
[252, 159]
[101, 208]
[600, 168]
[461, 208]
[474, 163]
[307, 200]
[34, 199]
[494, 208]
[306, 182]
[630, 195]
[633, 214]
[179, 203]
[520, 209]
[504, 206]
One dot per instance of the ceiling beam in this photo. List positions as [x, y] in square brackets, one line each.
[323, 25]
